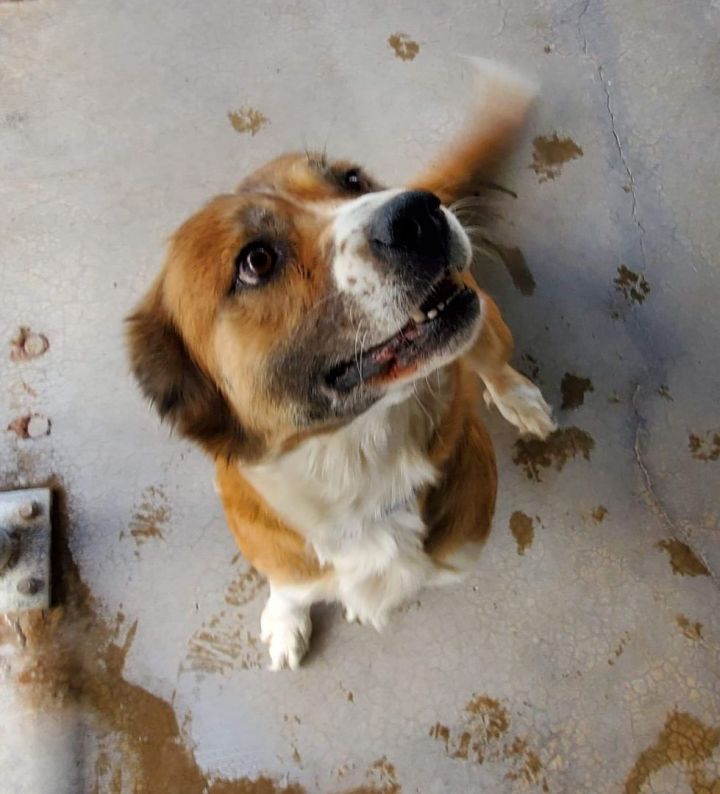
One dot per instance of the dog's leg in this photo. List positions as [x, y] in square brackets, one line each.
[285, 623]
[517, 398]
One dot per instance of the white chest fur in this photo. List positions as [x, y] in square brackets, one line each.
[353, 495]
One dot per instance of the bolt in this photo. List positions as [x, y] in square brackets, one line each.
[28, 510]
[29, 586]
[6, 548]
[38, 426]
[35, 345]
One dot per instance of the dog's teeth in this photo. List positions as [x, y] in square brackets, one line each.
[417, 316]
[432, 314]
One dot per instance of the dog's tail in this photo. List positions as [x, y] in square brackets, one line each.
[503, 99]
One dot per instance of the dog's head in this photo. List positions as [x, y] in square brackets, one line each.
[299, 301]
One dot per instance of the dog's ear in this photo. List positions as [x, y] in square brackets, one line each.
[183, 394]
[501, 104]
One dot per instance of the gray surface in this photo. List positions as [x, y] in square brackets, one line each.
[114, 125]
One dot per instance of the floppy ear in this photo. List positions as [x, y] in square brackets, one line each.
[502, 102]
[183, 394]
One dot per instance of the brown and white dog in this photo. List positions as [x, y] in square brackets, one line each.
[319, 335]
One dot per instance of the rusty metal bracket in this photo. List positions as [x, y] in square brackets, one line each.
[25, 549]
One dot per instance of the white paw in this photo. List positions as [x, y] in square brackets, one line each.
[377, 620]
[523, 406]
[286, 629]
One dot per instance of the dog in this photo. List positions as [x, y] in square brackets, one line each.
[322, 338]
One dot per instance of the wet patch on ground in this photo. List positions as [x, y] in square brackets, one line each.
[223, 643]
[692, 630]
[573, 389]
[706, 448]
[555, 451]
[631, 285]
[483, 735]
[550, 153]
[599, 514]
[521, 528]
[683, 559]
[150, 516]
[403, 46]
[247, 120]
[685, 743]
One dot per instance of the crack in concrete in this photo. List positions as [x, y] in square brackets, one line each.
[503, 22]
[605, 83]
[582, 35]
[655, 501]
[624, 161]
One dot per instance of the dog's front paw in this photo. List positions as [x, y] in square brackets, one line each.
[522, 404]
[286, 630]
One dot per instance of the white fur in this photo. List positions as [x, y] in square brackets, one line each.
[285, 623]
[373, 288]
[522, 404]
[353, 495]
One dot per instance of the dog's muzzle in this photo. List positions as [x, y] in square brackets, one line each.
[410, 233]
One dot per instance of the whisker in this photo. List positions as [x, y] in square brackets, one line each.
[430, 388]
[422, 406]
[362, 347]
[358, 359]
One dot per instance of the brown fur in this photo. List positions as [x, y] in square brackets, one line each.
[180, 333]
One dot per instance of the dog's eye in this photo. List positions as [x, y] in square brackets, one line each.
[353, 181]
[255, 264]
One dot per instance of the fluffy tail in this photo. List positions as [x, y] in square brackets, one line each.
[503, 99]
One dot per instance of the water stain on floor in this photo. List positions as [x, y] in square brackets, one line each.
[150, 515]
[483, 736]
[705, 449]
[555, 451]
[573, 389]
[599, 513]
[693, 631]
[521, 527]
[550, 153]
[223, 643]
[685, 743]
[247, 119]
[73, 658]
[404, 47]
[381, 778]
[633, 286]
[683, 559]
[514, 261]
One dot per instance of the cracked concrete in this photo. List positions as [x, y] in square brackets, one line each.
[584, 654]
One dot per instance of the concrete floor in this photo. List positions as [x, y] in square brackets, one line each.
[584, 656]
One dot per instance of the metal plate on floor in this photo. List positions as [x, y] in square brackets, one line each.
[25, 549]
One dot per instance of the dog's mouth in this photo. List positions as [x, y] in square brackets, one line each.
[438, 326]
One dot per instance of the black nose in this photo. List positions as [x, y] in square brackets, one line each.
[411, 229]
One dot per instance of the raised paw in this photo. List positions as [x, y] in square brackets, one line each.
[286, 629]
[522, 404]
